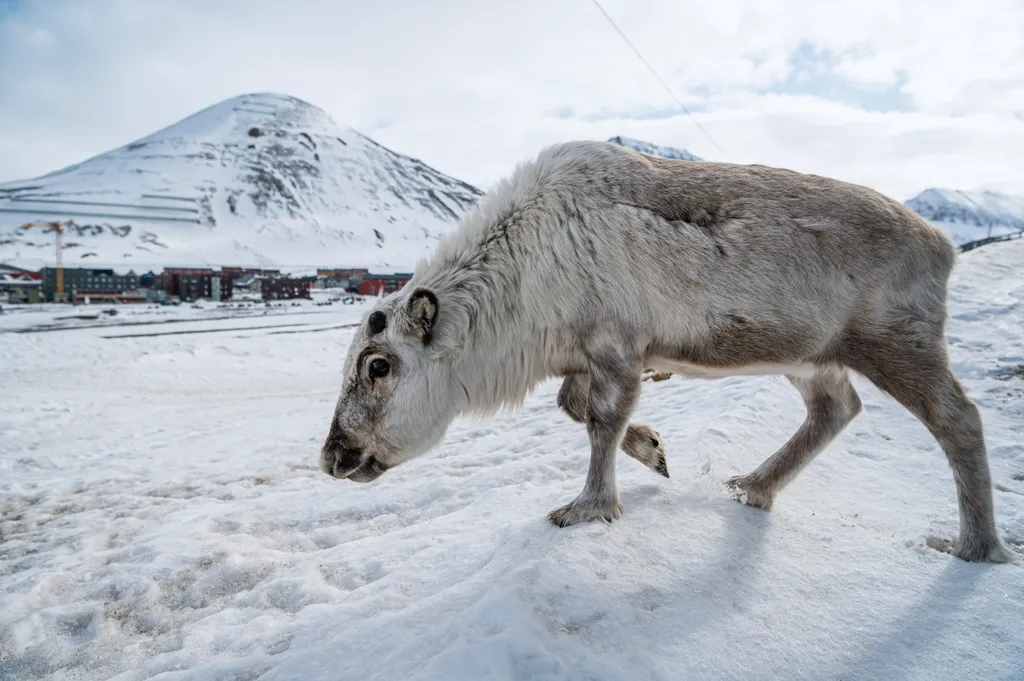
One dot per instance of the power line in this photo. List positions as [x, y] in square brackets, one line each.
[660, 80]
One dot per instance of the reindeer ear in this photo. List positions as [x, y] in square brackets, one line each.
[422, 310]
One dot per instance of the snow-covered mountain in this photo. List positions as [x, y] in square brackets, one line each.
[259, 179]
[654, 149]
[967, 216]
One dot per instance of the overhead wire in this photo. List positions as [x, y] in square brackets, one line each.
[654, 73]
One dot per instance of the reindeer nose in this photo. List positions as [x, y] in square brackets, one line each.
[347, 459]
[339, 462]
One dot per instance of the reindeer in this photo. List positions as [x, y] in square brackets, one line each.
[594, 262]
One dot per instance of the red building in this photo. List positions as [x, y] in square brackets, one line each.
[375, 284]
[347, 278]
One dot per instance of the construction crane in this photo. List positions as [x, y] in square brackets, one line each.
[58, 230]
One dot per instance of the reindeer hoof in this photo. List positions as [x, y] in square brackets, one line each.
[584, 509]
[662, 466]
[644, 444]
[751, 492]
[974, 551]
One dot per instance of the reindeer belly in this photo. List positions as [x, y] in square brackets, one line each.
[694, 370]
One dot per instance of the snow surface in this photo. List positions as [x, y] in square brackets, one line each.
[51, 317]
[163, 516]
[204, 191]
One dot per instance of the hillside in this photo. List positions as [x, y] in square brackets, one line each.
[260, 179]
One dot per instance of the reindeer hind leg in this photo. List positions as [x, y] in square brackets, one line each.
[832, 402]
[915, 371]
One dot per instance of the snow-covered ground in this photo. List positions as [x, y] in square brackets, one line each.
[163, 517]
[51, 317]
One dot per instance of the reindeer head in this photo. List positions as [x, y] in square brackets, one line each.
[398, 392]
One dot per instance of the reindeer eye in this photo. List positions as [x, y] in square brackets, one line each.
[379, 368]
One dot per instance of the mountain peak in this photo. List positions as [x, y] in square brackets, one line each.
[258, 179]
[239, 114]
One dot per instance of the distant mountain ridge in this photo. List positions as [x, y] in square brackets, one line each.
[968, 216]
[654, 149]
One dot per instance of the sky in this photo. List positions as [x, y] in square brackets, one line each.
[899, 96]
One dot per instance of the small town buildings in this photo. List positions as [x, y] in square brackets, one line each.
[195, 283]
[196, 286]
[247, 286]
[95, 284]
[78, 297]
[284, 288]
[11, 269]
[347, 278]
[20, 286]
[187, 284]
[376, 284]
[235, 272]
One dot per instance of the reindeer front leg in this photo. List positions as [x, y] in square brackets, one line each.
[614, 385]
[641, 441]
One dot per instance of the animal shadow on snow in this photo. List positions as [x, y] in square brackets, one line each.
[735, 572]
[734, 567]
[897, 647]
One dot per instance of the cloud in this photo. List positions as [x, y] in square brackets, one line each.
[899, 96]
